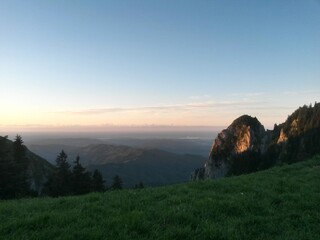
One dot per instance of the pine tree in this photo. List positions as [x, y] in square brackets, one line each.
[21, 184]
[98, 184]
[59, 184]
[13, 168]
[117, 183]
[7, 170]
[81, 179]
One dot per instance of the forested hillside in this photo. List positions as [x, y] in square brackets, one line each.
[22, 173]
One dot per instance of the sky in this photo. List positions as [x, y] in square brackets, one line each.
[95, 64]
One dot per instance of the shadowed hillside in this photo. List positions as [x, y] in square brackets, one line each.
[21, 171]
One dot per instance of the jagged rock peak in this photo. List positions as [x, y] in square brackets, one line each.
[246, 120]
[245, 133]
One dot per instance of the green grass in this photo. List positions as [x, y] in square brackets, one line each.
[280, 203]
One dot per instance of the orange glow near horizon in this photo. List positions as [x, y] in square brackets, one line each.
[34, 120]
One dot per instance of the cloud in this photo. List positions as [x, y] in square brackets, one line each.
[166, 108]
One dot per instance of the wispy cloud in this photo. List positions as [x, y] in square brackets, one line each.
[166, 108]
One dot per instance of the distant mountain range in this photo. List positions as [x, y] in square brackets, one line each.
[187, 145]
[151, 166]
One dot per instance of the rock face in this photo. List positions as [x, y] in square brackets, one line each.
[245, 146]
[244, 134]
[283, 137]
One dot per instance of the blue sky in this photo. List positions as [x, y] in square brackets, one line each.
[193, 63]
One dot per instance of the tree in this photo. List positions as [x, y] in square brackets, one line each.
[98, 182]
[7, 170]
[13, 168]
[21, 184]
[81, 179]
[59, 184]
[117, 183]
[18, 147]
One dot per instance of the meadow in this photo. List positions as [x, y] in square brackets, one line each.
[279, 203]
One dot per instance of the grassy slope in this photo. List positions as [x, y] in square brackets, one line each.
[280, 203]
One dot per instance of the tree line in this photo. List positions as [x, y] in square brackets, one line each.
[76, 180]
[62, 181]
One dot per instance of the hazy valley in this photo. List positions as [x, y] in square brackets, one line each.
[153, 161]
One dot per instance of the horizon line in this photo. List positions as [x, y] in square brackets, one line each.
[103, 128]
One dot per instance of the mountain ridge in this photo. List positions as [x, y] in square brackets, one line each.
[245, 146]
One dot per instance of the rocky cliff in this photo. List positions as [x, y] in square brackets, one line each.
[245, 134]
[245, 146]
